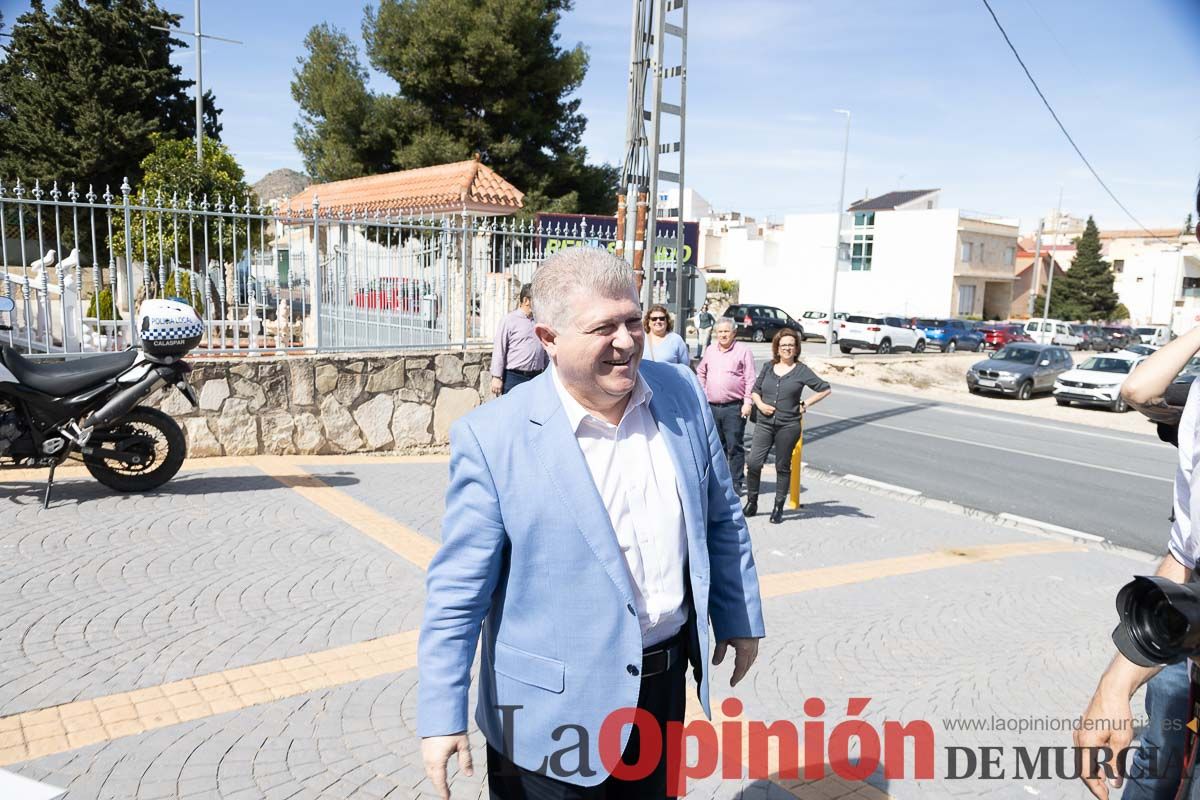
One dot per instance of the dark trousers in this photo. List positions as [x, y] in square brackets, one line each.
[663, 695]
[783, 438]
[513, 378]
[731, 427]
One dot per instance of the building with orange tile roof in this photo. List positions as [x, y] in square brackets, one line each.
[470, 187]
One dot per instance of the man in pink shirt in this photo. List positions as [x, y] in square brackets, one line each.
[727, 374]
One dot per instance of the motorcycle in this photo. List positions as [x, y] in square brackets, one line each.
[87, 408]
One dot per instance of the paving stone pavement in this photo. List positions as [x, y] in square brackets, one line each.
[227, 569]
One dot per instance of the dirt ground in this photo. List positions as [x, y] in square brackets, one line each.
[938, 376]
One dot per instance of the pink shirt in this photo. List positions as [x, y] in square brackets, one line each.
[727, 375]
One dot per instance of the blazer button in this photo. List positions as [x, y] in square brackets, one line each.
[632, 670]
[632, 610]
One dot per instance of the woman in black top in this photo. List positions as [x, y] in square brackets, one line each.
[776, 396]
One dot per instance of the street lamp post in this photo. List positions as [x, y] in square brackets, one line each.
[199, 37]
[837, 240]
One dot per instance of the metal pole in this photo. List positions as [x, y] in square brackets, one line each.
[837, 240]
[682, 309]
[125, 190]
[1037, 268]
[317, 280]
[1050, 279]
[199, 91]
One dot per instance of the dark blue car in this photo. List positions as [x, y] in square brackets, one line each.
[949, 335]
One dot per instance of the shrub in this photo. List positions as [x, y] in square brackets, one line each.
[106, 306]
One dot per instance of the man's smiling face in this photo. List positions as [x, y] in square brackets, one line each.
[598, 351]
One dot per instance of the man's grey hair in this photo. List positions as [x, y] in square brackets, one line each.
[568, 273]
[725, 321]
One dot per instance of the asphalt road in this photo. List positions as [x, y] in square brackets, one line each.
[1112, 484]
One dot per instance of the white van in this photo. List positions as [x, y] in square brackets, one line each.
[1053, 331]
[1156, 335]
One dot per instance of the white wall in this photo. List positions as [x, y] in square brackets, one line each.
[1149, 281]
[793, 269]
[912, 270]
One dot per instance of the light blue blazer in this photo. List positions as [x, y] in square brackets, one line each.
[529, 555]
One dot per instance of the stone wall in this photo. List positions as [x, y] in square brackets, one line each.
[327, 403]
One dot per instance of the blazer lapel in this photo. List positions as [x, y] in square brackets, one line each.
[673, 425]
[571, 481]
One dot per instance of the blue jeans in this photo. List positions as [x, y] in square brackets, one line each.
[1156, 767]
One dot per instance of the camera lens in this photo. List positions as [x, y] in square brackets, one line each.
[1160, 621]
[1166, 625]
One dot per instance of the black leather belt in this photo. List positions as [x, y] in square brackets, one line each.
[525, 373]
[658, 658]
[730, 403]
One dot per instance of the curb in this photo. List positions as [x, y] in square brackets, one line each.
[1002, 519]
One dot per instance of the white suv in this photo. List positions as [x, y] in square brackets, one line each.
[878, 332]
[816, 324]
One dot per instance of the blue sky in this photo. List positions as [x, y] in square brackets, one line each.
[937, 98]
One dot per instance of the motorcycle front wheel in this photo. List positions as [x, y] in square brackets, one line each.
[153, 440]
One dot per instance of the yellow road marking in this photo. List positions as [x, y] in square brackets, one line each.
[74, 469]
[400, 539]
[34, 734]
[785, 583]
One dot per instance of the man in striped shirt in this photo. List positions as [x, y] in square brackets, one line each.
[727, 374]
[517, 355]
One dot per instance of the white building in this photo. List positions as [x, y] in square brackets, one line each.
[901, 253]
[1156, 275]
[695, 207]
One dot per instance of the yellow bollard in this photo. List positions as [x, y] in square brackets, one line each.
[794, 488]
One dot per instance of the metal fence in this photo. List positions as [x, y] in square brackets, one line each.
[262, 279]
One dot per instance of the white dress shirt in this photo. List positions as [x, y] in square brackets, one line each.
[1183, 545]
[633, 472]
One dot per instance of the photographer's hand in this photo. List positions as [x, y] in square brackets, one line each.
[1108, 722]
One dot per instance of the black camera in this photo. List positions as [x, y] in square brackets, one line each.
[1160, 621]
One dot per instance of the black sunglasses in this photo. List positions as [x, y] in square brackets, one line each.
[658, 319]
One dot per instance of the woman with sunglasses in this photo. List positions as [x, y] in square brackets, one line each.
[776, 398]
[662, 343]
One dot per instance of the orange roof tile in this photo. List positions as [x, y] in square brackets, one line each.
[1138, 233]
[469, 185]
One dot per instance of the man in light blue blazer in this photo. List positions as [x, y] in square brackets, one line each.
[593, 535]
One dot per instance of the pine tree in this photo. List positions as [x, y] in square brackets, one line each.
[1086, 290]
[83, 87]
[474, 76]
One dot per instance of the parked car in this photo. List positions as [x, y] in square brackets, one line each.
[949, 335]
[1139, 349]
[1118, 336]
[1167, 414]
[1093, 337]
[998, 335]
[1157, 335]
[1019, 369]
[1097, 381]
[878, 332]
[760, 323]
[1052, 331]
[391, 294]
[816, 324]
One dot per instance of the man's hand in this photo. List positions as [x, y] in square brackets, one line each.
[745, 409]
[744, 653]
[1107, 722]
[436, 752]
[497, 386]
